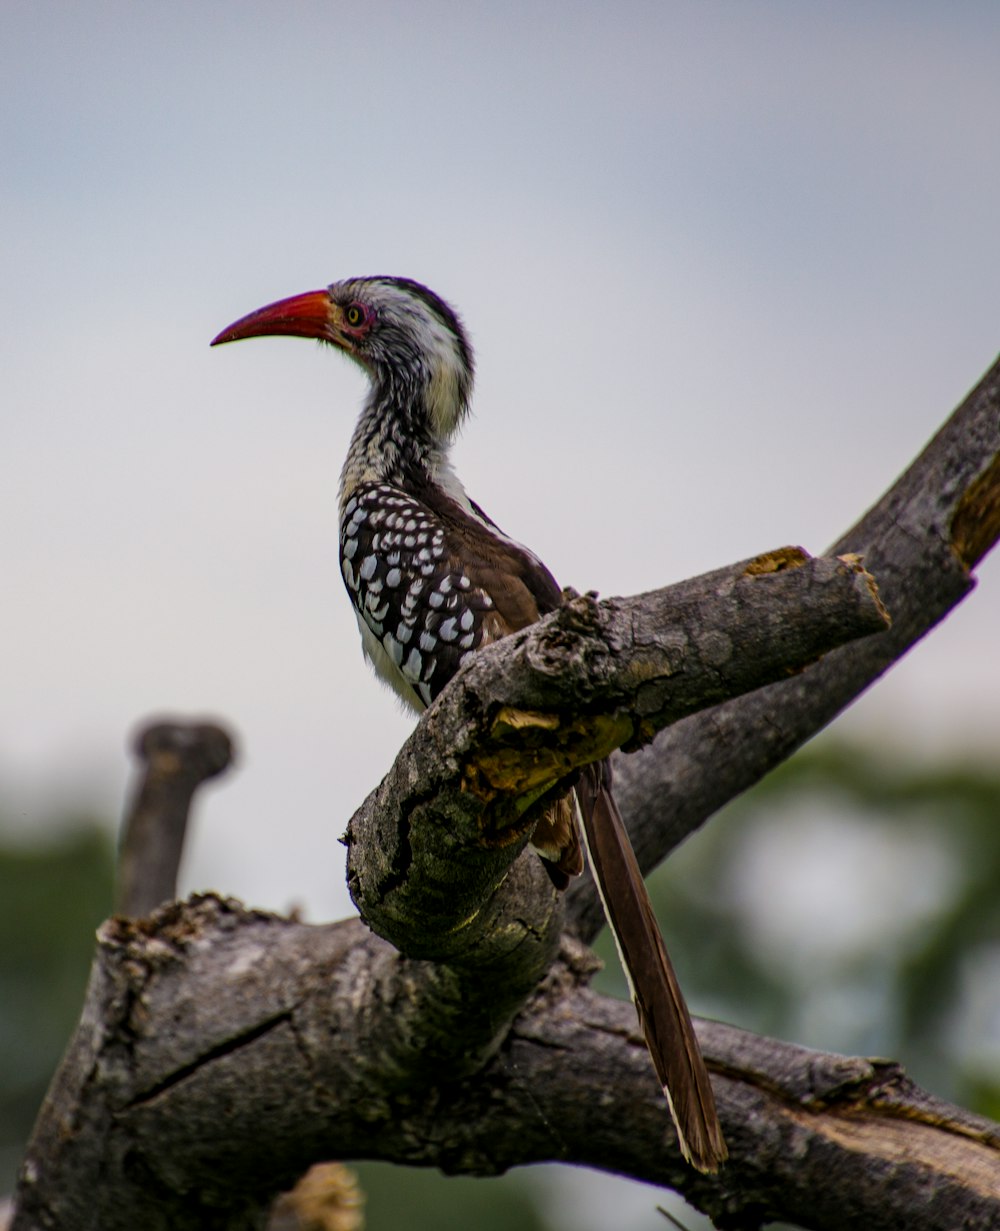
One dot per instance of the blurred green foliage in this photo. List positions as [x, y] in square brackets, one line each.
[849, 902]
[52, 897]
[420, 1200]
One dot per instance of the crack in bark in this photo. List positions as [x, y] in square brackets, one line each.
[226, 1048]
[403, 858]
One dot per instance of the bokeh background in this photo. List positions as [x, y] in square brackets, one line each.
[726, 266]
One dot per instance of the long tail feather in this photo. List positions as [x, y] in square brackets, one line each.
[659, 1002]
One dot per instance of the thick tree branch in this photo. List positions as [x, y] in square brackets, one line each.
[921, 540]
[432, 844]
[222, 1051]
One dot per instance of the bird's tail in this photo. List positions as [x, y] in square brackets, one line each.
[659, 1002]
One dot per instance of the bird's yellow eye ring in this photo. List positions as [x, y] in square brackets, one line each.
[356, 315]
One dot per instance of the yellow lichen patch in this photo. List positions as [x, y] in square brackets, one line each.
[647, 666]
[535, 750]
[519, 770]
[776, 561]
[510, 720]
[976, 524]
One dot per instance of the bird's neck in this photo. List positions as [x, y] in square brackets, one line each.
[398, 439]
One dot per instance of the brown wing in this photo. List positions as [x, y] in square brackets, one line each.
[521, 587]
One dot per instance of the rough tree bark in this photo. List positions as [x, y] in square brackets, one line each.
[222, 1051]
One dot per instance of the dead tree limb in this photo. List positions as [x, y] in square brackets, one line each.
[222, 1051]
[177, 757]
[922, 540]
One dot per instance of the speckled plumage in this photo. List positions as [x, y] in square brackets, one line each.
[412, 599]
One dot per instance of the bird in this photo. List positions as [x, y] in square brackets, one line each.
[433, 579]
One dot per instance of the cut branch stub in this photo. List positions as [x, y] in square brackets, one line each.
[178, 757]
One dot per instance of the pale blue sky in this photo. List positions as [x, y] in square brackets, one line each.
[727, 267]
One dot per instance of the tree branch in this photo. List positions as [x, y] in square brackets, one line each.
[922, 540]
[431, 850]
[434, 842]
[181, 1107]
[178, 757]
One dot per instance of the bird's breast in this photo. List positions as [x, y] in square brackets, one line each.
[420, 611]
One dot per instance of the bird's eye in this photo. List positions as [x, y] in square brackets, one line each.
[356, 314]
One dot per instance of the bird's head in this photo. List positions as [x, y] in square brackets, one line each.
[408, 340]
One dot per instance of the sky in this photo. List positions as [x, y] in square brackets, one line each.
[727, 267]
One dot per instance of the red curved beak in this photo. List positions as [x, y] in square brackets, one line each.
[304, 316]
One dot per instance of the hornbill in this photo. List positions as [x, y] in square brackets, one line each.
[433, 579]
